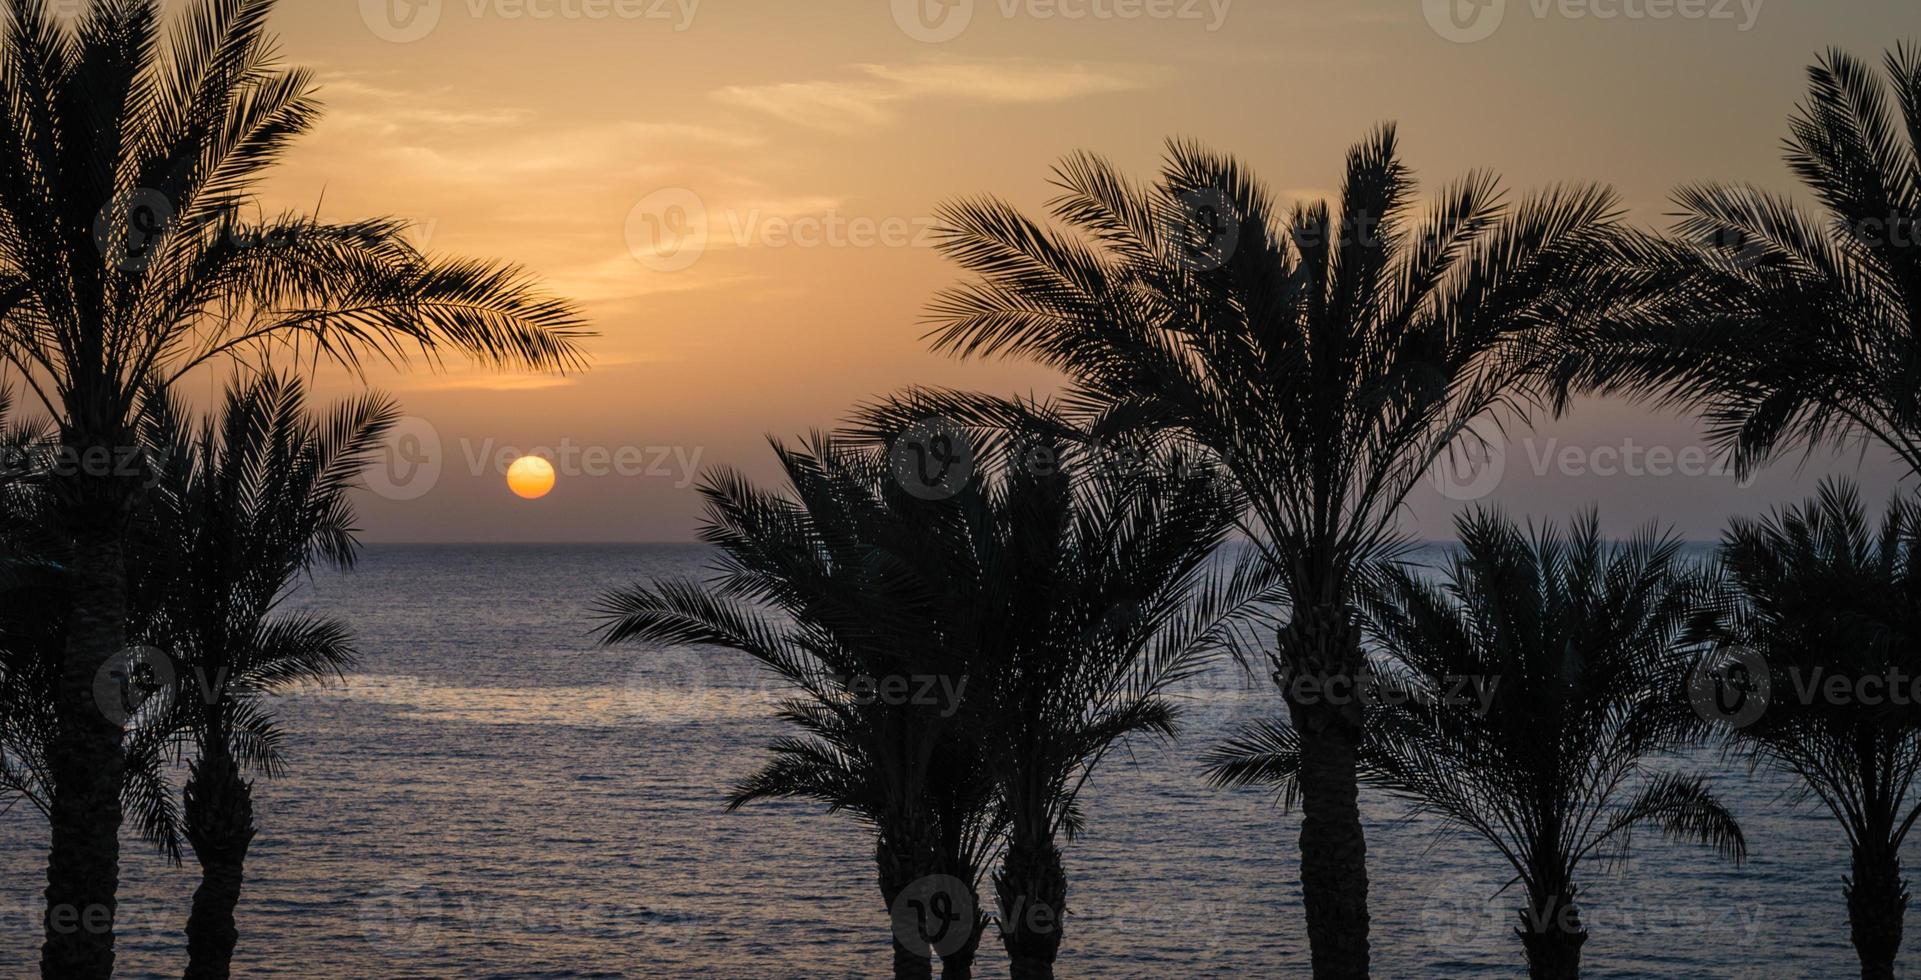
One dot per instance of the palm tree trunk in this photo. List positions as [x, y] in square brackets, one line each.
[1033, 896]
[1552, 934]
[959, 964]
[1877, 900]
[86, 761]
[220, 827]
[903, 858]
[1322, 648]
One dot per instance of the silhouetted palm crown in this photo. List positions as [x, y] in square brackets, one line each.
[1326, 358]
[1786, 328]
[1822, 594]
[1576, 646]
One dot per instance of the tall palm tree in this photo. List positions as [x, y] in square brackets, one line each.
[1325, 358]
[127, 258]
[1783, 328]
[826, 586]
[1525, 697]
[242, 506]
[1822, 595]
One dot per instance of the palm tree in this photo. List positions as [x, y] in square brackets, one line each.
[127, 162]
[1782, 328]
[838, 561]
[1326, 362]
[1822, 595]
[241, 507]
[1524, 697]
[1063, 605]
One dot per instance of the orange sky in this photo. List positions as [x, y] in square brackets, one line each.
[806, 144]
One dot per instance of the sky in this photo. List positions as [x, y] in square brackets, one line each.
[738, 194]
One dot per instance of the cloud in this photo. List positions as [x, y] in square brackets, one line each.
[873, 98]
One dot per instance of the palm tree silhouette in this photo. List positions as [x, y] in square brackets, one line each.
[1523, 698]
[1782, 328]
[1065, 605]
[1822, 594]
[241, 506]
[1090, 594]
[1325, 360]
[841, 558]
[127, 161]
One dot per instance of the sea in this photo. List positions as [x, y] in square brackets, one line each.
[491, 793]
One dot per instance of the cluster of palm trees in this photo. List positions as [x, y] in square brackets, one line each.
[143, 552]
[1289, 375]
[976, 600]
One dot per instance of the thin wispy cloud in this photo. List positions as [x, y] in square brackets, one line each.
[876, 95]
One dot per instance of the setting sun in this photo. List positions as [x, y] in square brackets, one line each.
[531, 477]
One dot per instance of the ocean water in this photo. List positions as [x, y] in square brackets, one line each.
[492, 795]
